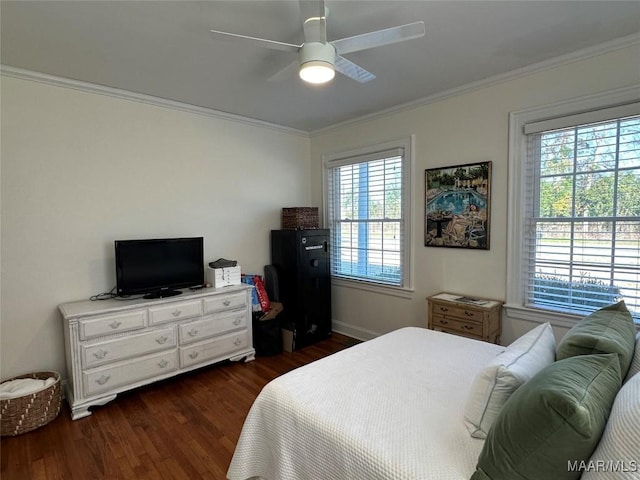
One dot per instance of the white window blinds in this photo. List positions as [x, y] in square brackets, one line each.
[366, 214]
[581, 240]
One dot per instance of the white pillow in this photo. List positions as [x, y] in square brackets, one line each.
[635, 362]
[616, 456]
[493, 386]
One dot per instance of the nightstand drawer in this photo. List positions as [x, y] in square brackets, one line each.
[461, 313]
[450, 324]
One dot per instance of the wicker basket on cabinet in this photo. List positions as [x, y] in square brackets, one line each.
[300, 218]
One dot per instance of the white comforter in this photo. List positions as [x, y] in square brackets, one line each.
[389, 408]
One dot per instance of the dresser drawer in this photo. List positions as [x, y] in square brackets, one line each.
[217, 347]
[447, 324]
[212, 325]
[107, 325]
[175, 311]
[124, 374]
[461, 313]
[224, 302]
[127, 347]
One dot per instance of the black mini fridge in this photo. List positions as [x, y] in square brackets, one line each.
[301, 259]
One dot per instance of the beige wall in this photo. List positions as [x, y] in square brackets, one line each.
[464, 128]
[80, 170]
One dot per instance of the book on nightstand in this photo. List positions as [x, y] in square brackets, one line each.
[475, 301]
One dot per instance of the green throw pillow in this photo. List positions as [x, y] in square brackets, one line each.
[608, 330]
[552, 421]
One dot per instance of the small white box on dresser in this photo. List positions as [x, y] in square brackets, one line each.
[223, 277]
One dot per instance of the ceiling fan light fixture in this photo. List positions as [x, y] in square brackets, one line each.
[317, 71]
[317, 62]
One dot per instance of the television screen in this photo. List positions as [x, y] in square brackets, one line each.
[157, 268]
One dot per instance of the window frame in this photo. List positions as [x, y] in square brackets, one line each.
[517, 167]
[341, 158]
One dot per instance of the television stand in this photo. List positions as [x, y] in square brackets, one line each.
[161, 294]
[113, 346]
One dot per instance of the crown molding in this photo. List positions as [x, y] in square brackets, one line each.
[583, 54]
[33, 76]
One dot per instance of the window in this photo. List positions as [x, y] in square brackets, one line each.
[368, 212]
[579, 232]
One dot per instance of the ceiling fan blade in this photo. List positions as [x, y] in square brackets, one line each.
[285, 73]
[379, 38]
[351, 70]
[260, 42]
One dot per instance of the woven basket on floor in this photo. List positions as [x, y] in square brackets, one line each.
[31, 411]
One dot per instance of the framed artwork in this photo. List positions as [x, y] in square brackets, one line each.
[457, 209]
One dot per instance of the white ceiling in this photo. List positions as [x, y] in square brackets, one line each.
[163, 48]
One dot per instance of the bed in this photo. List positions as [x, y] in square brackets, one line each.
[421, 404]
[387, 408]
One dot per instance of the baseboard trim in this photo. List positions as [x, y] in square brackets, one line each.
[353, 331]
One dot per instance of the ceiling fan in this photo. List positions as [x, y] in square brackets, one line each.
[318, 58]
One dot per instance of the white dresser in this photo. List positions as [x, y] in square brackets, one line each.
[116, 345]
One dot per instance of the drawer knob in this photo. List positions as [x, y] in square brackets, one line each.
[103, 379]
[226, 303]
[176, 313]
[163, 363]
[162, 340]
[193, 332]
[115, 324]
[100, 353]
[237, 342]
[444, 309]
[237, 321]
[468, 314]
[193, 355]
[467, 327]
[443, 322]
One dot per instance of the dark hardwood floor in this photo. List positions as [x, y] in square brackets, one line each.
[183, 428]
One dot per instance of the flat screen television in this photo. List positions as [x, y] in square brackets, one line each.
[160, 267]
